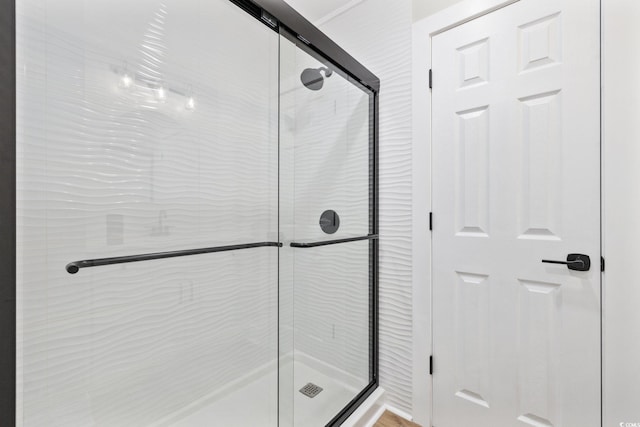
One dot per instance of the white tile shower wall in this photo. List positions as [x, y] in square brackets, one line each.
[378, 34]
[112, 167]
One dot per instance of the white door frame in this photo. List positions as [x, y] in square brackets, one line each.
[423, 31]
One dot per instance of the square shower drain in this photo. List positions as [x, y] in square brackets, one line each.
[311, 390]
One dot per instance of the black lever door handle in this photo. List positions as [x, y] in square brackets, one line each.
[577, 262]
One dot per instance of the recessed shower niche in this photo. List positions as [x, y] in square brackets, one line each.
[173, 159]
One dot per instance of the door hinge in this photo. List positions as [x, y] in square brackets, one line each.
[430, 365]
[430, 79]
[601, 263]
[430, 221]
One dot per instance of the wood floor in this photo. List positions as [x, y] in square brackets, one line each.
[389, 419]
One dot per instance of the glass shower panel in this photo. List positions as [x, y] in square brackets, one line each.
[326, 216]
[143, 127]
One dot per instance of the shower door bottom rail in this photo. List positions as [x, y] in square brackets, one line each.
[332, 242]
[75, 266]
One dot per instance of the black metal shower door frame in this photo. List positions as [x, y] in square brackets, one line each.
[281, 18]
[7, 212]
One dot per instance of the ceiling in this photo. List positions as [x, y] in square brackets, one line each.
[316, 10]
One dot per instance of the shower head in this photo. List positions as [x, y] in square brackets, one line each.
[312, 77]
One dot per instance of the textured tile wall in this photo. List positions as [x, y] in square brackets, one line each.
[378, 34]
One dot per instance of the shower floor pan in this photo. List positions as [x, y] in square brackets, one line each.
[256, 404]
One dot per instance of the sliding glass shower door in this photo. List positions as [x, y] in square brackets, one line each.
[146, 127]
[327, 221]
[196, 219]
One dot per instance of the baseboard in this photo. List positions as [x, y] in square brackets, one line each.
[368, 413]
[370, 418]
[398, 412]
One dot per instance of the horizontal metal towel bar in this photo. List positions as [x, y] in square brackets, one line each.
[73, 267]
[333, 242]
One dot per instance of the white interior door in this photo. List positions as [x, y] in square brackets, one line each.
[516, 179]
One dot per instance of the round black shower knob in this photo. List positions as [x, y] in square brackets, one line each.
[329, 221]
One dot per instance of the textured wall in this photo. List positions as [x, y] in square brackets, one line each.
[378, 34]
[107, 170]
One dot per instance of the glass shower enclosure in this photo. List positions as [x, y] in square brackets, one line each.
[196, 216]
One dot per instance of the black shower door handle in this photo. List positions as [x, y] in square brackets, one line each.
[577, 262]
[74, 267]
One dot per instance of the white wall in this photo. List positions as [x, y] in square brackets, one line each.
[378, 34]
[621, 211]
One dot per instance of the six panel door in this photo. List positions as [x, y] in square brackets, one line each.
[516, 161]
